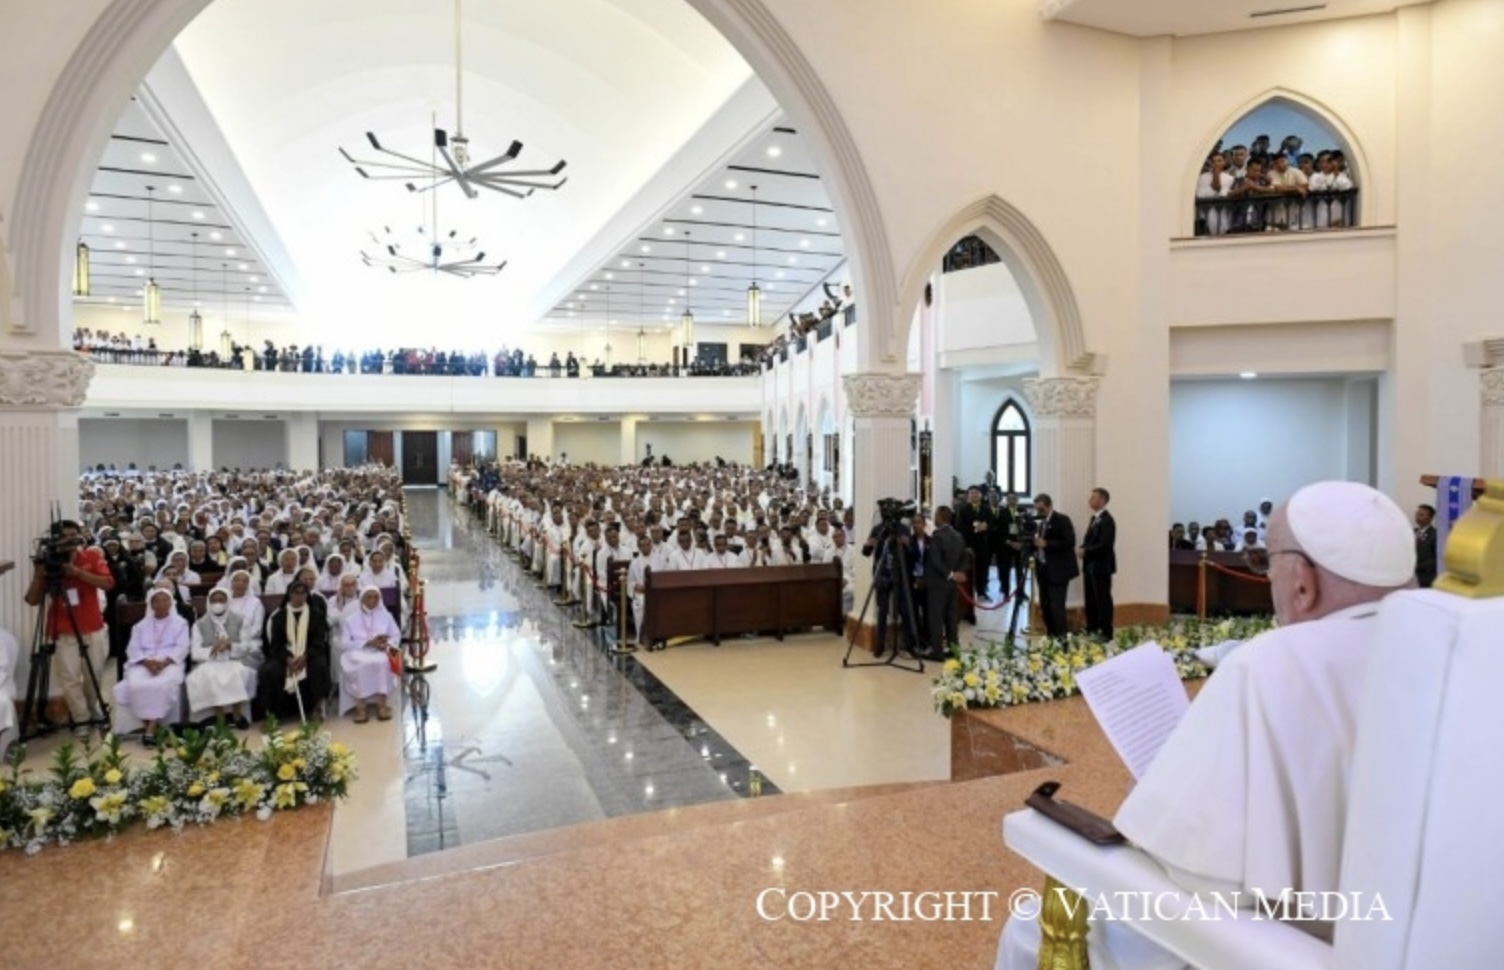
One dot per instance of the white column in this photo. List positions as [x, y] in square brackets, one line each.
[882, 406]
[540, 437]
[39, 465]
[201, 441]
[629, 440]
[1065, 445]
[1491, 384]
[944, 426]
[303, 442]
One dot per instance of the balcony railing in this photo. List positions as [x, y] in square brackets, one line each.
[1277, 213]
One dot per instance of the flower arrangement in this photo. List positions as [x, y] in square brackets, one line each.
[197, 777]
[995, 674]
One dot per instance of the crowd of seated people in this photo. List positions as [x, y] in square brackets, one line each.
[655, 515]
[1219, 534]
[238, 594]
[1255, 189]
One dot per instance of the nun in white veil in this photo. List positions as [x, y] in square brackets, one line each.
[370, 635]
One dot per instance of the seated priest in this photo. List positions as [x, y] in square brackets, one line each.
[154, 661]
[1250, 790]
[294, 675]
[223, 679]
[370, 636]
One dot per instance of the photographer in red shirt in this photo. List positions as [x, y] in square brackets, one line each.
[84, 572]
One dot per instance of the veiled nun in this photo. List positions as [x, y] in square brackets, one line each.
[154, 661]
[370, 636]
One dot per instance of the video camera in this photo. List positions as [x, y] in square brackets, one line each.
[893, 511]
[53, 551]
[1028, 521]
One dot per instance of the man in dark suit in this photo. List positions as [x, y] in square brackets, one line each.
[1005, 543]
[975, 523]
[1098, 562]
[1055, 555]
[1425, 546]
[944, 560]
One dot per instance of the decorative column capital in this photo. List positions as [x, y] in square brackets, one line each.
[1063, 397]
[1491, 383]
[44, 379]
[878, 395]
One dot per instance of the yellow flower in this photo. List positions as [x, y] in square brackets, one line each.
[212, 778]
[287, 772]
[1035, 665]
[951, 666]
[3, 786]
[994, 678]
[1020, 692]
[298, 763]
[286, 796]
[971, 679]
[218, 796]
[957, 700]
[247, 792]
[155, 805]
[194, 790]
[993, 693]
[82, 788]
[40, 817]
[182, 752]
[113, 776]
[339, 750]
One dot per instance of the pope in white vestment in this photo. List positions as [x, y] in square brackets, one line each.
[1250, 791]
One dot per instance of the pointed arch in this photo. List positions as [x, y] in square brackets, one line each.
[1352, 147]
[1027, 254]
[1013, 447]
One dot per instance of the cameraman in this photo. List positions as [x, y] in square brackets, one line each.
[886, 572]
[82, 571]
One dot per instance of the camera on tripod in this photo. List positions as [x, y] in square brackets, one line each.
[53, 551]
[893, 511]
[1028, 522]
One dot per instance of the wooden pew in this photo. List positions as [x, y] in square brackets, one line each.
[715, 603]
[1224, 593]
[130, 612]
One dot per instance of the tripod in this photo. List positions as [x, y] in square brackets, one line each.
[892, 563]
[34, 722]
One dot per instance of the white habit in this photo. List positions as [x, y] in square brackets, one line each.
[366, 673]
[226, 679]
[148, 696]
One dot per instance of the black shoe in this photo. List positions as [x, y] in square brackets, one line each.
[241, 724]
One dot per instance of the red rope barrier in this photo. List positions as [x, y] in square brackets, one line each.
[973, 604]
[1251, 577]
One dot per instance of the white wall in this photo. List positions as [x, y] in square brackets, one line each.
[691, 441]
[1234, 443]
[588, 441]
[981, 307]
[977, 404]
[162, 442]
[251, 444]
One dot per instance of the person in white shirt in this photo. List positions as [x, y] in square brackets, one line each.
[225, 663]
[1213, 185]
[721, 557]
[1250, 541]
[613, 556]
[818, 541]
[685, 556]
[637, 582]
[1330, 213]
[1291, 182]
[842, 553]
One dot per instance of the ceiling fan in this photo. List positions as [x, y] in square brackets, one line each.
[434, 258]
[455, 150]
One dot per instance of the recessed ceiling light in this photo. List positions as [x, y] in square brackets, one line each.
[112, 299]
[255, 279]
[1248, 375]
[120, 244]
[175, 189]
[731, 183]
[670, 301]
[243, 268]
[820, 221]
[647, 249]
[626, 262]
[263, 289]
[106, 228]
[720, 254]
[198, 215]
[739, 237]
[696, 210]
[130, 259]
[804, 244]
[725, 313]
[694, 282]
[140, 272]
[610, 276]
[771, 287]
[91, 206]
[229, 252]
[148, 157]
[774, 151]
[256, 299]
[779, 274]
[680, 292]
[668, 230]
[793, 259]
[594, 287]
[215, 236]
[704, 269]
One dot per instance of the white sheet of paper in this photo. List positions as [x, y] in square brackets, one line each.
[1138, 699]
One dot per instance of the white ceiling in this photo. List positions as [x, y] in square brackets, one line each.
[702, 249]
[126, 248]
[1152, 18]
[612, 87]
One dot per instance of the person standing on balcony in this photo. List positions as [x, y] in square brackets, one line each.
[1211, 188]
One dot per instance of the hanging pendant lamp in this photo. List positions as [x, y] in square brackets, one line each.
[754, 295]
[152, 307]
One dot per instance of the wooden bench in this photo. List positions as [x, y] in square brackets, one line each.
[1224, 594]
[715, 603]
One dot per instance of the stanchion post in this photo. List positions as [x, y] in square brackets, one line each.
[623, 645]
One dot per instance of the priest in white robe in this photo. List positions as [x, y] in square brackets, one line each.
[370, 635]
[154, 661]
[1250, 790]
[223, 679]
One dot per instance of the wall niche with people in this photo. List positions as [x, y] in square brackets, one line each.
[1281, 167]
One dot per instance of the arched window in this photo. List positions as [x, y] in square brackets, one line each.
[1282, 167]
[1011, 441]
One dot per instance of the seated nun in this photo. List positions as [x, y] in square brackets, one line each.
[223, 678]
[154, 661]
[342, 605]
[365, 667]
[329, 580]
[277, 583]
[245, 602]
[1250, 790]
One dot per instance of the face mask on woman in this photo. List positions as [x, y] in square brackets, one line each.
[217, 608]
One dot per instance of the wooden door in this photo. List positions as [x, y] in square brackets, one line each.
[379, 448]
[462, 447]
[420, 458]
